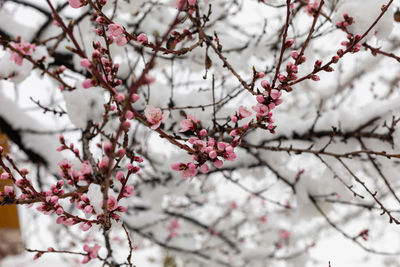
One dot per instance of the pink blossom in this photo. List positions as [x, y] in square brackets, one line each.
[260, 99]
[87, 83]
[212, 154]
[189, 123]
[262, 110]
[204, 168]
[9, 191]
[135, 97]
[265, 84]
[75, 3]
[294, 54]
[84, 226]
[4, 176]
[120, 97]
[115, 30]
[92, 252]
[275, 94]
[24, 48]
[86, 169]
[192, 2]
[142, 38]
[120, 176]
[104, 163]
[128, 191]
[203, 132]
[122, 209]
[69, 222]
[88, 209]
[86, 63]
[244, 112]
[187, 170]
[129, 115]
[17, 58]
[121, 40]
[218, 163]
[154, 116]
[112, 203]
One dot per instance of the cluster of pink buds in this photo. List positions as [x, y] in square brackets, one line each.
[267, 101]
[126, 190]
[73, 176]
[50, 205]
[103, 64]
[312, 8]
[24, 48]
[65, 146]
[116, 32]
[346, 22]
[206, 148]
[352, 44]
[291, 70]
[83, 203]
[177, 37]
[92, 252]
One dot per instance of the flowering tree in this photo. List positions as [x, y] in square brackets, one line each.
[229, 133]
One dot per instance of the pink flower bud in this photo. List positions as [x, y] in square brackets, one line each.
[135, 98]
[265, 84]
[218, 163]
[260, 99]
[9, 191]
[87, 83]
[86, 63]
[4, 176]
[212, 154]
[120, 176]
[294, 54]
[142, 38]
[120, 97]
[75, 3]
[289, 43]
[315, 77]
[260, 75]
[203, 132]
[129, 115]
[204, 168]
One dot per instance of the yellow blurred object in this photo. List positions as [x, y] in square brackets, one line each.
[10, 233]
